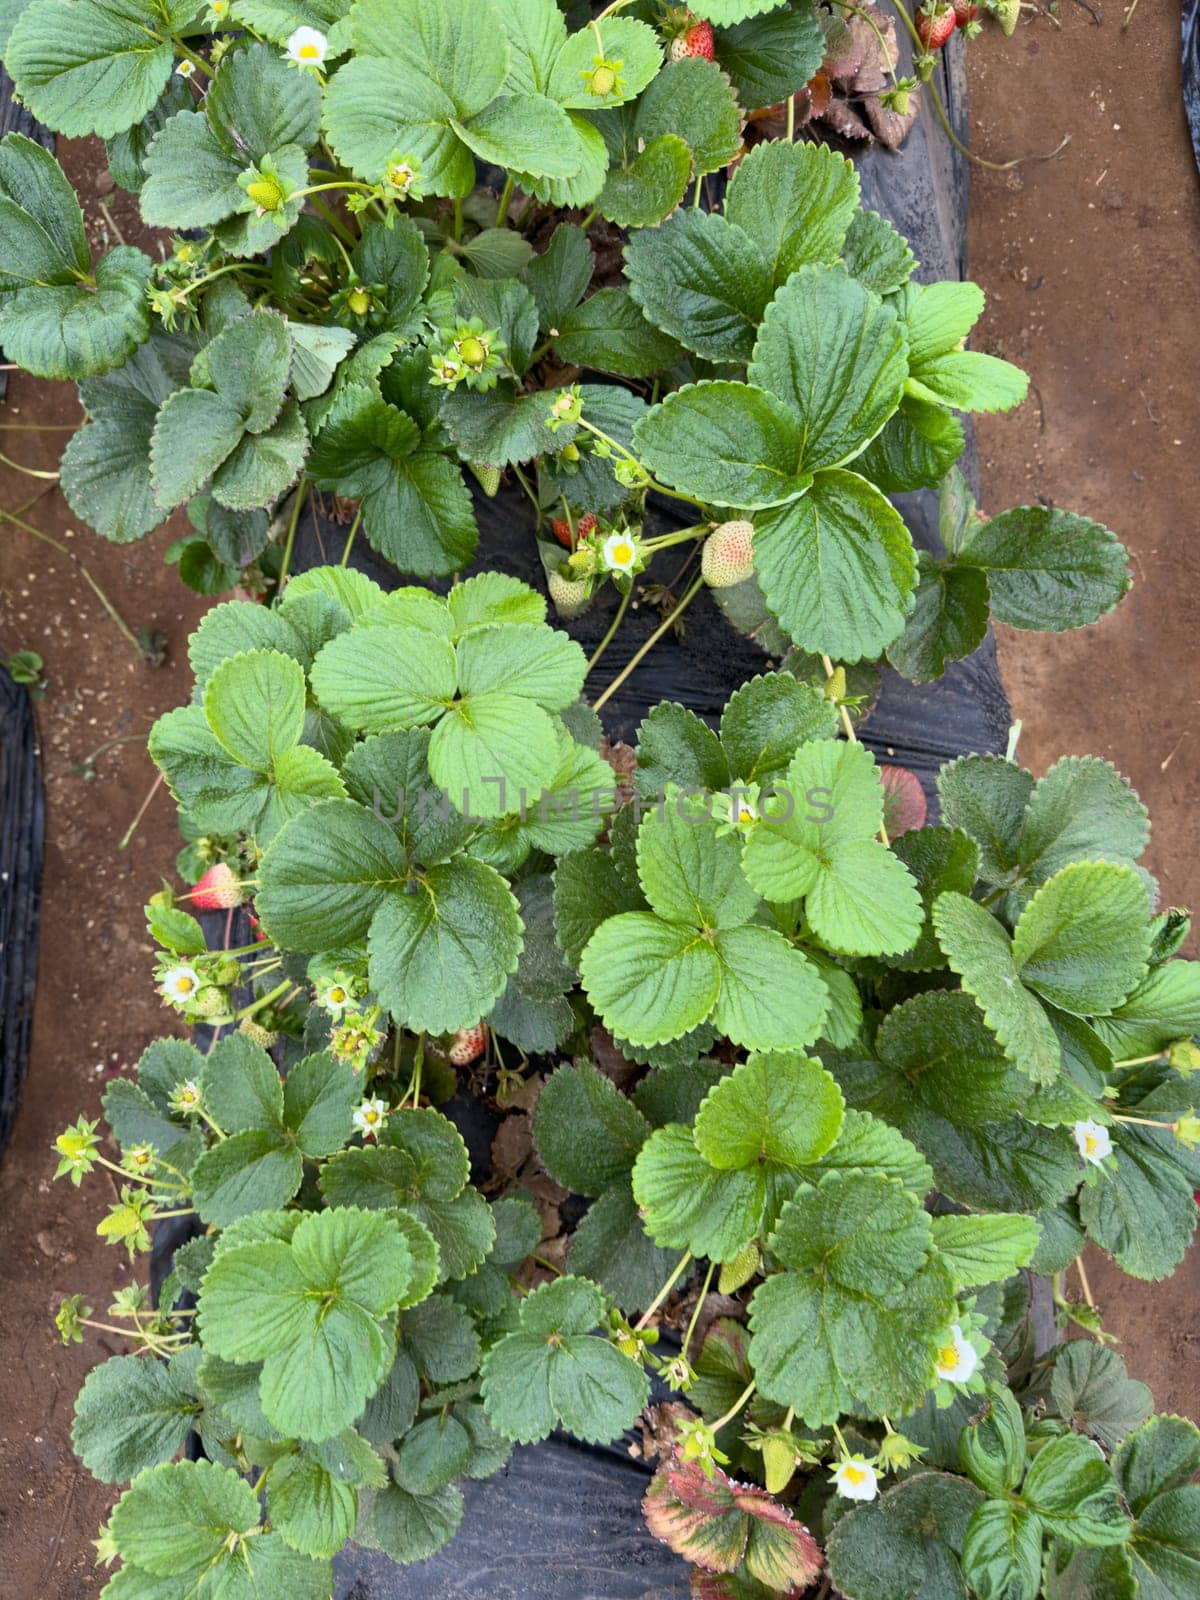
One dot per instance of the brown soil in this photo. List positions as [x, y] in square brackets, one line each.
[1092, 270]
[96, 1009]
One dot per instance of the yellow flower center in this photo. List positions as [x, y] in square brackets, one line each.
[1090, 1143]
[338, 996]
[309, 52]
[622, 554]
[854, 1475]
[948, 1357]
[184, 984]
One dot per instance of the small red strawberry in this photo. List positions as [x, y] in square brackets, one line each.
[964, 11]
[562, 529]
[695, 40]
[936, 21]
[217, 890]
[468, 1045]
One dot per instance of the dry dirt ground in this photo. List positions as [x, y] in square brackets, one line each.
[1091, 263]
[1093, 274]
[96, 1009]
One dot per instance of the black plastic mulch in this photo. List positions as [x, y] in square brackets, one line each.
[22, 829]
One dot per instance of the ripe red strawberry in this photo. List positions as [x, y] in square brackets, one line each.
[695, 40]
[217, 890]
[964, 11]
[469, 1044]
[936, 21]
[728, 554]
[562, 528]
[904, 803]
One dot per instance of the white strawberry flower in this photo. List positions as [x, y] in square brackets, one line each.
[619, 553]
[179, 985]
[371, 1118]
[1093, 1141]
[957, 1358]
[307, 47]
[186, 68]
[855, 1479]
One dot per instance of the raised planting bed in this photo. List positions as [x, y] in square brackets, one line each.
[626, 1083]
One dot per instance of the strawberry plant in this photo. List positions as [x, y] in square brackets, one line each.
[862, 1073]
[346, 310]
[869, 1086]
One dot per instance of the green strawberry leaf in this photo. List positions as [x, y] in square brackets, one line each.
[611, 1246]
[876, 254]
[1002, 1552]
[692, 100]
[912, 1535]
[1092, 1391]
[1071, 1488]
[817, 840]
[416, 508]
[948, 621]
[943, 1080]
[588, 1134]
[768, 58]
[796, 201]
[1047, 569]
[728, 443]
[861, 1312]
[313, 1311]
[643, 186]
[552, 1369]
[773, 1110]
[91, 68]
[106, 466]
[918, 446]
[764, 722]
[702, 280]
[131, 1414]
[834, 353]
[979, 1250]
[609, 333]
[837, 568]
[179, 1516]
[411, 1527]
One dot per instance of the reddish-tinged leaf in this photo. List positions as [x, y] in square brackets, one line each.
[692, 1487]
[724, 1527]
[904, 803]
[711, 1538]
[735, 1586]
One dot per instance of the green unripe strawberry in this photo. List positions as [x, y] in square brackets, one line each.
[210, 1002]
[779, 1462]
[571, 598]
[728, 555]
[488, 477]
[256, 1032]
